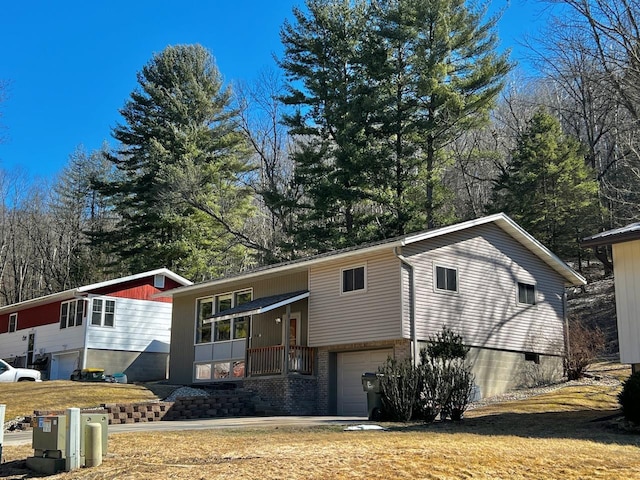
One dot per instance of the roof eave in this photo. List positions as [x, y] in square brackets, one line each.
[302, 265]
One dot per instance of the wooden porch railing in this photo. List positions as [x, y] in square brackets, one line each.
[269, 360]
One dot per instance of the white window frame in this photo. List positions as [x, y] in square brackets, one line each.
[535, 293]
[435, 279]
[67, 322]
[214, 299]
[355, 291]
[158, 281]
[13, 318]
[200, 369]
[103, 312]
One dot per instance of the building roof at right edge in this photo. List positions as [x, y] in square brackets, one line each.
[617, 235]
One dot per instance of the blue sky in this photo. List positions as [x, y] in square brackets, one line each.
[71, 65]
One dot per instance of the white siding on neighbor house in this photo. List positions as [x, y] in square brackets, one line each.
[49, 338]
[485, 310]
[626, 261]
[140, 325]
[360, 316]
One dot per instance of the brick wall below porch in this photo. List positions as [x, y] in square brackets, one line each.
[326, 368]
[284, 395]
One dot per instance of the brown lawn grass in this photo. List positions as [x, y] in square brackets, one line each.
[564, 434]
[23, 398]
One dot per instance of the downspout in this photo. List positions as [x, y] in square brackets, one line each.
[85, 349]
[415, 351]
[567, 344]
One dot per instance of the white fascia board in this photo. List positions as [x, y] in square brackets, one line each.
[159, 271]
[34, 302]
[571, 277]
[295, 266]
[256, 311]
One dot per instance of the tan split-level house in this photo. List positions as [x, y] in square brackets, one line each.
[301, 334]
[625, 246]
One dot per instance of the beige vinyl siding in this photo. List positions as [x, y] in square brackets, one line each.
[626, 260]
[485, 310]
[360, 316]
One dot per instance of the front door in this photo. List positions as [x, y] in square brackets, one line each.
[30, 348]
[295, 361]
[294, 329]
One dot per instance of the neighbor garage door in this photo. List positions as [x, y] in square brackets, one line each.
[64, 365]
[352, 400]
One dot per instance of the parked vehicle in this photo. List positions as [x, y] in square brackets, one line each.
[88, 375]
[12, 374]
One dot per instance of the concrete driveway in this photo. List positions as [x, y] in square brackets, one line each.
[24, 437]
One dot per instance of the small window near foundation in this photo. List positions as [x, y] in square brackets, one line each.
[532, 357]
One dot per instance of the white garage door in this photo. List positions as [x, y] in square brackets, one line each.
[352, 399]
[63, 365]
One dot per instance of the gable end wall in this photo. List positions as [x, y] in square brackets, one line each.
[485, 309]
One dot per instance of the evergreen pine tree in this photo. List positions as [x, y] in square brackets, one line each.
[178, 143]
[547, 186]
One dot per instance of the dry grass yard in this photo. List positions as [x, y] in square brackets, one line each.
[563, 434]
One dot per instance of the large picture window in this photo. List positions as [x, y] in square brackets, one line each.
[222, 330]
[103, 312]
[72, 313]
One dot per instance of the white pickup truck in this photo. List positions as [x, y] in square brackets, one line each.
[11, 374]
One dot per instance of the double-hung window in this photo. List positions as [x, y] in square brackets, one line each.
[446, 279]
[354, 279]
[526, 293]
[103, 312]
[72, 313]
[13, 322]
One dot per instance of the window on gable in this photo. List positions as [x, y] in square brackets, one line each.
[526, 293]
[353, 279]
[72, 313]
[446, 279]
[13, 322]
[103, 312]
[158, 281]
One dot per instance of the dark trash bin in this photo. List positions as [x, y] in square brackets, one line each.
[371, 385]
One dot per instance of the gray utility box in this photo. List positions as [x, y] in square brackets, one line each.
[50, 439]
[49, 436]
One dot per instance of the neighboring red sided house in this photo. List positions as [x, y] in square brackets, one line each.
[117, 325]
[301, 334]
[625, 246]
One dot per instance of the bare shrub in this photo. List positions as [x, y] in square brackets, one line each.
[398, 387]
[585, 345]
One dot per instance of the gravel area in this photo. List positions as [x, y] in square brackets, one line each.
[186, 392]
[532, 392]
